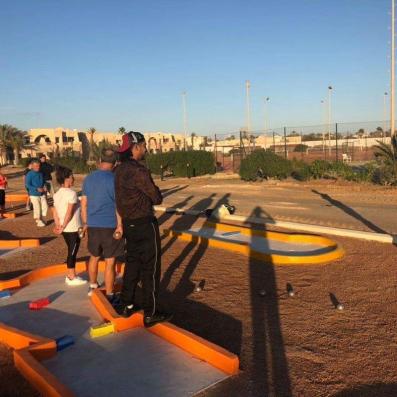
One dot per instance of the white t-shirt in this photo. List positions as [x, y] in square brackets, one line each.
[62, 198]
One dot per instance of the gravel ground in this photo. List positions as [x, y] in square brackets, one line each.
[288, 346]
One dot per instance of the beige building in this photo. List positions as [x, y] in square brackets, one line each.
[61, 141]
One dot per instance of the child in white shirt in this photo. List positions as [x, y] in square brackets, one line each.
[66, 212]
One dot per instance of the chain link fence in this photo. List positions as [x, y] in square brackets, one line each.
[347, 142]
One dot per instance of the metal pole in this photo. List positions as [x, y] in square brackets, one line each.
[274, 143]
[265, 121]
[247, 90]
[285, 142]
[392, 83]
[184, 117]
[216, 159]
[336, 140]
[384, 116]
[329, 120]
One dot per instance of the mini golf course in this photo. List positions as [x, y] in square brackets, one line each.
[60, 351]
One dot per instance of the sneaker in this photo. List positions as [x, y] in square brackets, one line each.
[92, 287]
[114, 299]
[157, 317]
[126, 310]
[40, 223]
[28, 208]
[75, 281]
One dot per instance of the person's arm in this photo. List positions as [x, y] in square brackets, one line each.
[144, 182]
[83, 203]
[57, 228]
[29, 184]
[68, 215]
[119, 228]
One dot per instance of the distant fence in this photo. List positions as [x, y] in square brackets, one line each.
[349, 142]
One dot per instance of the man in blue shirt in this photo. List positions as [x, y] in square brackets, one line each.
[100, 219]
[35, 186]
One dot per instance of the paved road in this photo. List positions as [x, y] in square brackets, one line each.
[337, 206]
[351, 206]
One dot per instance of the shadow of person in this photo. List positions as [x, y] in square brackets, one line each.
[169, 192]
[167, 215]
[185, 222]
[270, 374]
[350, 211]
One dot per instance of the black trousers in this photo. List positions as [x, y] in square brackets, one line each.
[72, 241]
[143, 262]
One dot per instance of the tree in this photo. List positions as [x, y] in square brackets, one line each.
[16, 141]
[91, 131]
[192, 136]
[121, 130]
[11, 138]
[387, 155]
[98, 147]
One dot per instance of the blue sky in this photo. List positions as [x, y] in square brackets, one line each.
[117, 63]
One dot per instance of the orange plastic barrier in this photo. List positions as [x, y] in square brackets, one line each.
[27, 243]
[193, 344]
[16, 197]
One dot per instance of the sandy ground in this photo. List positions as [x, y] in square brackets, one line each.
[299, 346]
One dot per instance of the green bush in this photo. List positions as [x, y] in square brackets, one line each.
[200, 163]
[320, 169]
[264, 164]
[301, 148]
[301, 171]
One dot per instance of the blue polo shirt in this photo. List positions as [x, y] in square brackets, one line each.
[98, 187]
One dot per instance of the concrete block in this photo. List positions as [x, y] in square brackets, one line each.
[102, 330]
[64, 342]
[39, 304]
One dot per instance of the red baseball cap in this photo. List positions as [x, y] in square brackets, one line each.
[129, 139]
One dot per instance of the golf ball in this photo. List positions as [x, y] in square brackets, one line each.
[291, 293]
[262, 292]
[197, 289]
[340, 306]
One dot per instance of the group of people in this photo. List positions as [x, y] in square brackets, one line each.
[116, 213]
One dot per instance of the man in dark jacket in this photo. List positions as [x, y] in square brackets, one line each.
[136, 194]
[47, 169]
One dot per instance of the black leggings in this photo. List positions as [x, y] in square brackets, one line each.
[72, 240]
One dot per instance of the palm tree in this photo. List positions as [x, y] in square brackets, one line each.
[16, 141]
[4, 134]
[193, 135]
[387, 154]
[91, 131]
[121, 130]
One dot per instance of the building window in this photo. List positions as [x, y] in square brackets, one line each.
[56, 140]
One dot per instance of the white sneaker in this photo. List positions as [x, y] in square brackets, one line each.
[40, 223]
[75, 281]
[92, 287]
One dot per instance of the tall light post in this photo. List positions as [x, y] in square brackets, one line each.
[329, 119]
[323, 121]
[384, 114]
[184, 118]
[392, 71]
[266, 118]
[248, 106]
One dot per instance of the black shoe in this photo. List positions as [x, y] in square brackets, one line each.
[157, 317]
[126, 310]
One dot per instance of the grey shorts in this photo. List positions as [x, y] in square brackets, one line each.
[101, 243]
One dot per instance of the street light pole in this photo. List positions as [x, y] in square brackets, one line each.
[323, 121]
[392, 71]
[265, 119]
[384, 115]
[184, 117]
[248, 105]
[329, 119]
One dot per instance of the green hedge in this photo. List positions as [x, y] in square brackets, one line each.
[264, 164]
[201, 163]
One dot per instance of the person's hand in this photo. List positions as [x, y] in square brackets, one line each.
[118, 233]
[58, 229]
[40, 189]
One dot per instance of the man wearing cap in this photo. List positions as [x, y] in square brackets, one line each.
[136, 194]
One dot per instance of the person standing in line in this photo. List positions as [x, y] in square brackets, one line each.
[3, 187]
[66, 213]
[47, 169]
[101, 221]
[25, 172]
[34, 183]
[136, 194]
